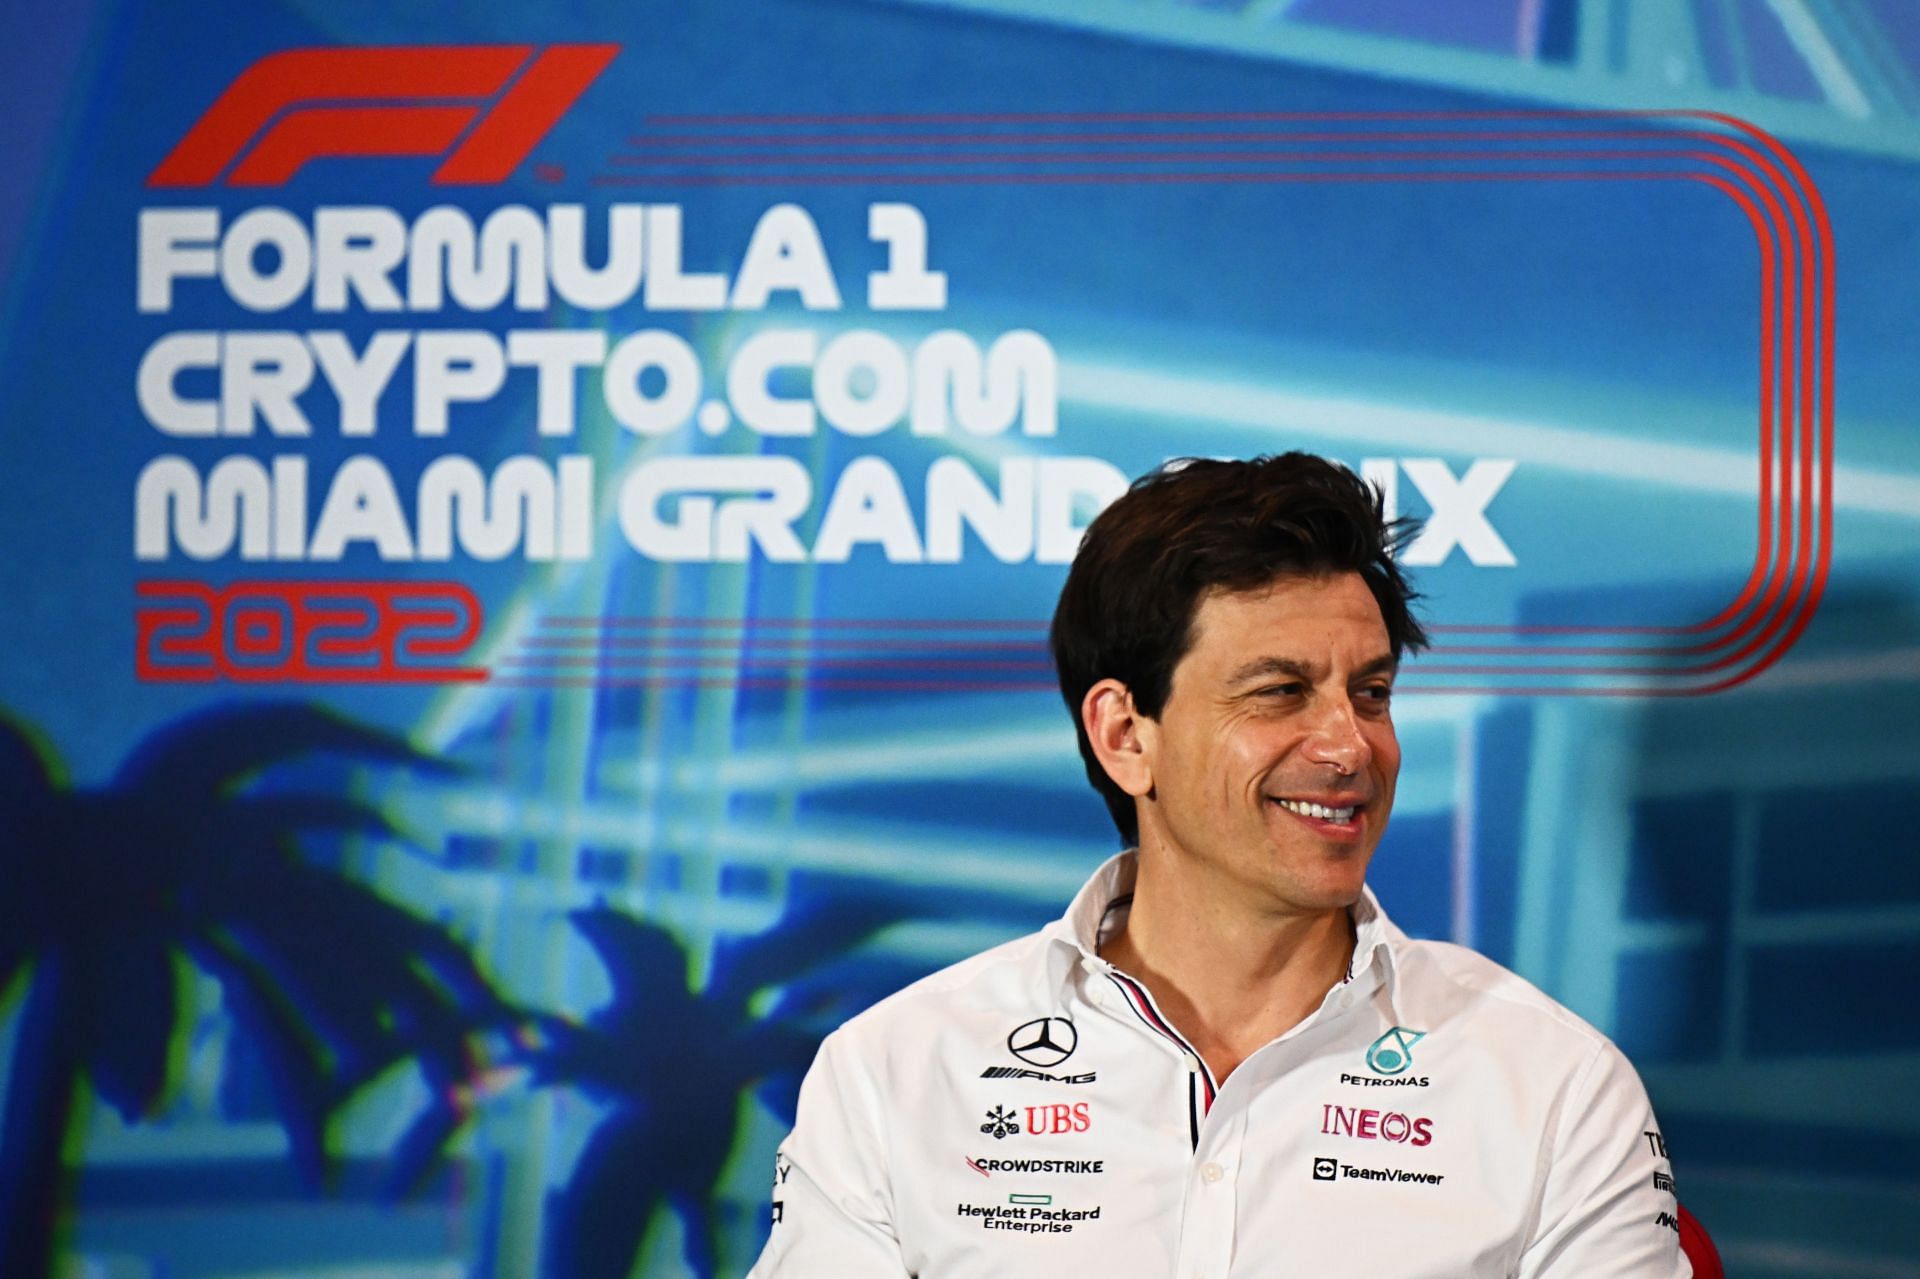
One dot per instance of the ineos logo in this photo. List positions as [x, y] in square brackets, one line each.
[1044, 1041]
[1375, 1125]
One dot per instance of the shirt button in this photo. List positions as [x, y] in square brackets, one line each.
[1212, 1172]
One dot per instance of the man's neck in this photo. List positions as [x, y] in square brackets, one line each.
[1231, 980]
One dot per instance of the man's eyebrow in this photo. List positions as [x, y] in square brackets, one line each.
[1263, 667]
[1267, 667]
[1385, 664]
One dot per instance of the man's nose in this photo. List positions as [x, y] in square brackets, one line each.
[1336, 739]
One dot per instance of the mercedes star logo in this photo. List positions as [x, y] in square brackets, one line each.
[1044, 1041]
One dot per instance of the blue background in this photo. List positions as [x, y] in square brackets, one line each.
[1727, 885]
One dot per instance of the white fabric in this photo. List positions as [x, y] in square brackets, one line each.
[1474, 1128]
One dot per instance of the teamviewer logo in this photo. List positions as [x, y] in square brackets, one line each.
[482, 106]
[1325, 1169]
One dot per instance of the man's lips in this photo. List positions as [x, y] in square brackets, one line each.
[1330, 814]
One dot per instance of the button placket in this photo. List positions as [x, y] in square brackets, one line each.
[1208, 1215]
[1216, 1187]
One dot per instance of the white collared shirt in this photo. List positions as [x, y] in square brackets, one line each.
[1029, 1112]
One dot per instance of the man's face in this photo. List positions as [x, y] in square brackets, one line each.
[1273, 761]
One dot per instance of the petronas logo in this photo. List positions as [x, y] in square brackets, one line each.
[1392, 1053]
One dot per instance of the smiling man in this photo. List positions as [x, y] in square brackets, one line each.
[1224, 1060]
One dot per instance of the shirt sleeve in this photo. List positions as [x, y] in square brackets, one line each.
[1607, 1208]
[832, 1193]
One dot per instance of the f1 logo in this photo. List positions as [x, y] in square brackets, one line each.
[496, 101]
[1324, 1169]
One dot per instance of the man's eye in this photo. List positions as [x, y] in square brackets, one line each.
[1379, 694]
[1282, 690]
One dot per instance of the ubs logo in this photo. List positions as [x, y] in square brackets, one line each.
[1040, 1121]
[1044, 1041]
[1000, 1124]
[1045, 1121]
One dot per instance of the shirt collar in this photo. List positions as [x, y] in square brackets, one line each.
[1090, 908]
[1103, 898]
[1376, 944]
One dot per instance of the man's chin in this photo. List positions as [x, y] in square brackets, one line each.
[1313, 895]
[1335, 886]
[1334, 899]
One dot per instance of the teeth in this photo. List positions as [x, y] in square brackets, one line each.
[1325, 814]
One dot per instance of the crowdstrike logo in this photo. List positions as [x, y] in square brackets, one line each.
[483, 107]
[987, 1166]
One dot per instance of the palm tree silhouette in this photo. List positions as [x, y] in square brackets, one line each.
[106, 895]
[672, 1065]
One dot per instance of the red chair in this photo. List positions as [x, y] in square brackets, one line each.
[1699, 1249]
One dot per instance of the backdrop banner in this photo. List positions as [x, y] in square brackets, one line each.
[530, 533]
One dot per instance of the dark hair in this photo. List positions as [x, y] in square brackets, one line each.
[1193, 526]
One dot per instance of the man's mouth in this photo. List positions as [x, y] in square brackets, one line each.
[1331, 814]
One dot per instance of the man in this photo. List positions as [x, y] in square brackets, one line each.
[1224, 1060]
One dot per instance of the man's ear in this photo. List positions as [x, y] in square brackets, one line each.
[1122, 737]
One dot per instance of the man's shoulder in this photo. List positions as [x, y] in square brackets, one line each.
[1444, 980]
[980, 991]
